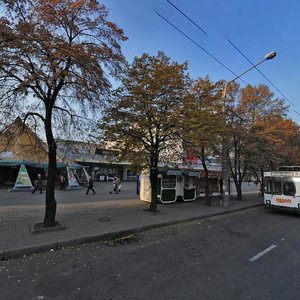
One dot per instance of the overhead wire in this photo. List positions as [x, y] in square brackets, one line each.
[231, 43]
[203, 49]
[270, 82]
[187, 17]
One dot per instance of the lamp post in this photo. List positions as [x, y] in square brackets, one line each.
[225, 166]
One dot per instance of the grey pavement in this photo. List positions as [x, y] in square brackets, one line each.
[89, 218]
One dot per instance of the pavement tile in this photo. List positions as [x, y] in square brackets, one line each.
[83, 216]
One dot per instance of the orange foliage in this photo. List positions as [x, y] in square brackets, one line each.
[278, 130]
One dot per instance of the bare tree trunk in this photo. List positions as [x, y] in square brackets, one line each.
[153, 181]
[207, 191]
[239, 192]
[49, 219]
[262, 182]
[237, 172]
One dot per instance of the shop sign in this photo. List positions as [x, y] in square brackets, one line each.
[23, 179]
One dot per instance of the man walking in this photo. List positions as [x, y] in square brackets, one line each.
[90, 185]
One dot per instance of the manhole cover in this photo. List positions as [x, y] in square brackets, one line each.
[104, 219]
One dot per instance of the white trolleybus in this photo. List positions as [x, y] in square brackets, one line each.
[282, 188]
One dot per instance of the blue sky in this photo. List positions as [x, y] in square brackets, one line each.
[254, 27]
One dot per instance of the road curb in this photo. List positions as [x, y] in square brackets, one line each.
[24, 251]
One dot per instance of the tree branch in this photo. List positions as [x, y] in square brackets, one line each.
[34, 114]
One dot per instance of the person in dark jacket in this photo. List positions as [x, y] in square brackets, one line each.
[39, 185]
[90, 186]
[62, 183]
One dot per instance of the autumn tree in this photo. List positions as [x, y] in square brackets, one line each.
[274, 142]
[203, 123]
[55, 58]
[146, 114]
[253, 105]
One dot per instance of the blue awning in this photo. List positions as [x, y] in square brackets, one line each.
[174, 172]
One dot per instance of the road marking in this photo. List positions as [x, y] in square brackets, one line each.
[252, 259]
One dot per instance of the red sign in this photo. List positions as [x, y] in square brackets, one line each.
[190, 157]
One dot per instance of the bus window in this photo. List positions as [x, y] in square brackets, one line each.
[297, 188]
[273, 185]
[268, 185]
[289, 188]
[277, 186]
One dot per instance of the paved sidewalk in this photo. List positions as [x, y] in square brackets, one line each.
[93, 217]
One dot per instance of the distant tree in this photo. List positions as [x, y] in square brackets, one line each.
[203, 123]
[59, 53]
[145, 117]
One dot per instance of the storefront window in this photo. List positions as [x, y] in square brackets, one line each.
[168, 181]
[189, 182]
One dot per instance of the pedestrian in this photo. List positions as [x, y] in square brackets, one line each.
[90, 186]
[62, 182]
[119, 184]
[115, 187]
[39, 185]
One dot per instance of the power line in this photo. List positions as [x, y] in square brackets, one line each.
[207, 52]
[273, 85]
[187, 17]
[232, 44]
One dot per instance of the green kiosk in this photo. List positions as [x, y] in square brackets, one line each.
[172, 185]
[189, 185]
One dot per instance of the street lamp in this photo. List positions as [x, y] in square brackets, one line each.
[225, 167]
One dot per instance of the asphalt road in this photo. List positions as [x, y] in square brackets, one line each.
[246, 255]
